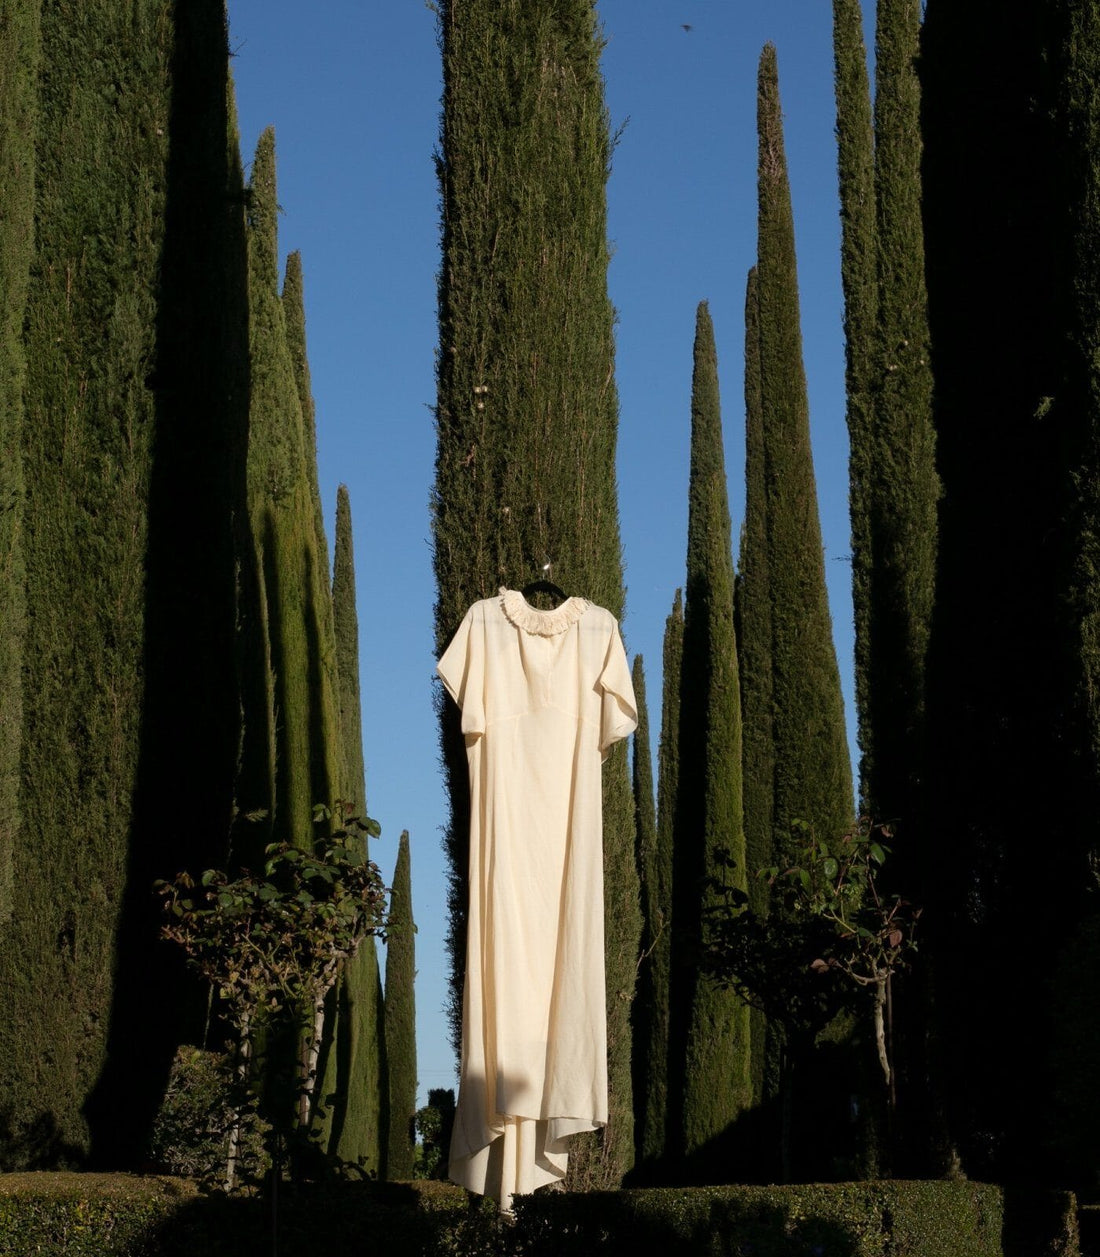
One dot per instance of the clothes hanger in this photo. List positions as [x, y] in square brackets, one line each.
[544, 585]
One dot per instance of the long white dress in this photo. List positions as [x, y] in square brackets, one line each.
[543, 694]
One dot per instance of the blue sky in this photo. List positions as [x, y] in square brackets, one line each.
[353, 90]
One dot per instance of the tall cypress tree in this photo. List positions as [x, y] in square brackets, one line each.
[653, 1147]
[88, 422]
[400, 1020]
[1016, 449]
[649, 1017]
[19, 36]
[527, 408]
[812, 773]
[709, 1066]
[355, 1075]
[301, 754]
[903, 484]
[754, 659]
[859, 275]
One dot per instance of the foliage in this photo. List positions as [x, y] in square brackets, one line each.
[873, 1219]
[273, 946]
[204, 1105]
[434, 1123]
[709, 1066]
[811, 773]
[353, 1069]
[400, 1020]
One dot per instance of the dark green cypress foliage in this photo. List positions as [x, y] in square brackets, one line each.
[400, 1021]
[18, 110]
[903, 487]
[649, 1017]
[754, 660]
[89, 410]
[654, 1145]
[354, 1077]
[189, 736]
[527, 408]
[1016, 450]
[709, 1026]
[859, 274]
[812, 773]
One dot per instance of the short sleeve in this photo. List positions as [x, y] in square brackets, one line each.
[462, 668]
[619, 715]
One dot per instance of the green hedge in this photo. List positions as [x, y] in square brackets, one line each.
[881, 1219]
[117, 1215]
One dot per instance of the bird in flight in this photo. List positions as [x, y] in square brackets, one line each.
[686, 25]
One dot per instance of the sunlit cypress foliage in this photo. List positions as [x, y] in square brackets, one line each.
[295, 314]
[754, 659]
[18, 112]
[88, 420]
[354, 1077]
[400, 1020]
[649, 1017]
[902, 482]
[287, 549]
[1012, 752]
[709, 1029]
[858, 273]
[812, 773]
[527, 408]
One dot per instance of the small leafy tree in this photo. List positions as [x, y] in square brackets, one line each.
[273, 946]
[873, 933]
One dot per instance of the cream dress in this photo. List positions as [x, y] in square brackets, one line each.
[543, 694]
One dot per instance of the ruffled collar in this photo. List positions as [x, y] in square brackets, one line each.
[518, 611]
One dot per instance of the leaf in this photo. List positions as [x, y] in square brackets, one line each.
[830, 868]
[894, 938]
[820, 966]
[877, 853]
[804, 878]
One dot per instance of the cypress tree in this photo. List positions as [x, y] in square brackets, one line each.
[812, 774]
[649, 1017]
[400, 1021]
[19, 35]
[754, 660]
[654, 1146]
[289, 562]
[527, 408]
[88, 421]
[903, 487]
[1016, 449]
[858, 273]
[355, 1075]
[709, 1025]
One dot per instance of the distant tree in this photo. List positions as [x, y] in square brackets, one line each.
[289, 553]
[709, 1031]
[527, 410]
[649, 1015]
[400, 1021]
[657, 899]
[355, 1068]
[812, 773]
